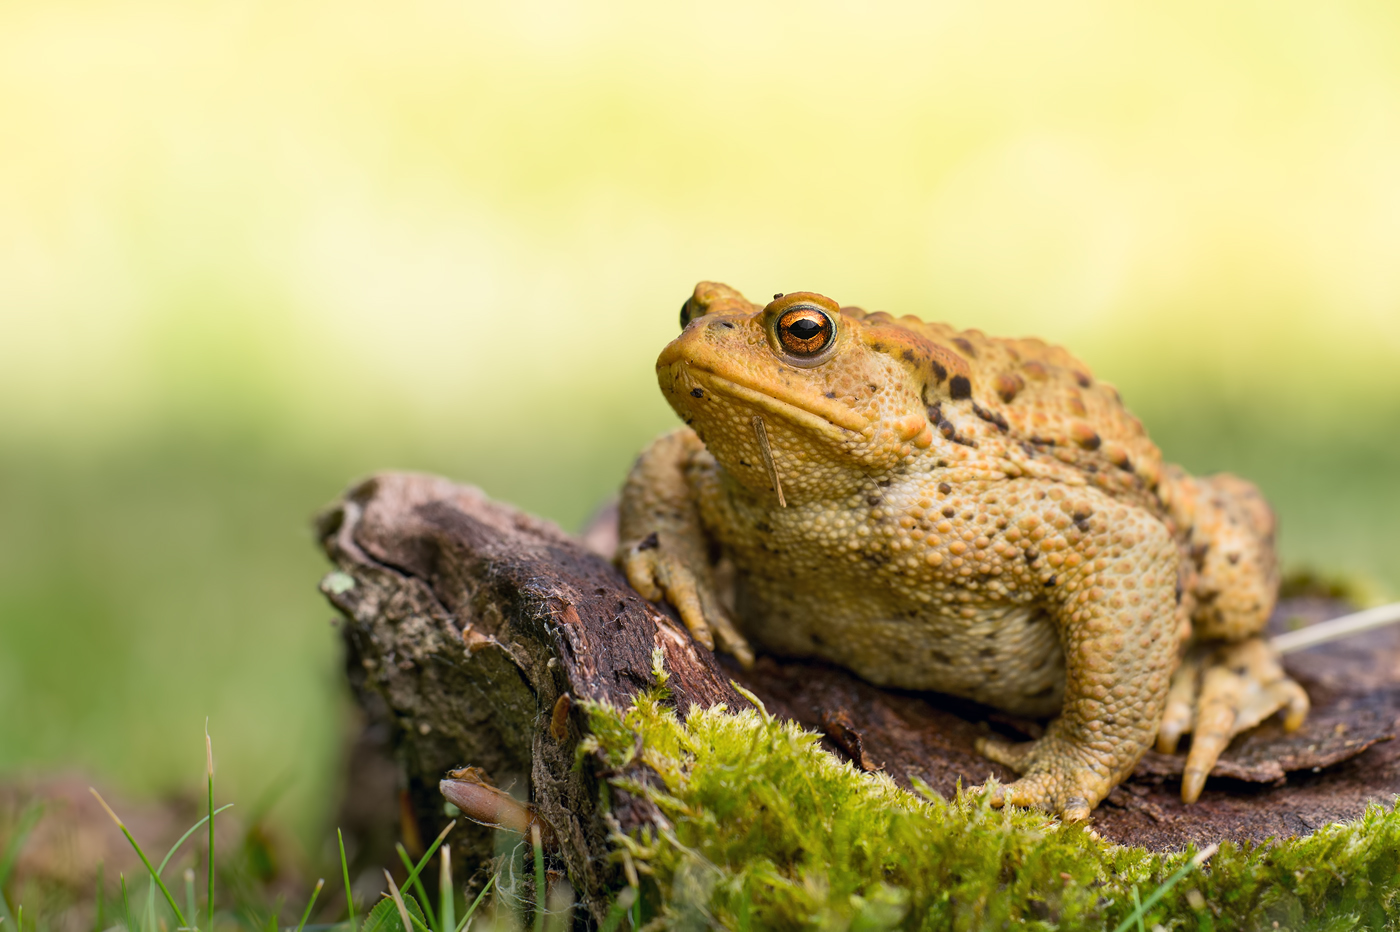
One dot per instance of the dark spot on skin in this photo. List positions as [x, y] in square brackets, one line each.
[831, 394]
[743, 462]
[949, 512]
[965, 346]
[939, 657]
[697, 393]
[883, 483]
[817, 640]
[987, 653]
[649, 543]
[873, 388]
[1233, 558]
[939, 373]
[1081, 520]
[1083, 380]
[944, 487]
[991, 417]
[1031, 556]
[1091, 442]
[1126, 465]
[1179, 592]
[878, 347]
[991, 636]
[873, 500]
[959, 388]
[763, 527]
[1051, 581]
[1044, 441]
[907, 355]
[946, 428]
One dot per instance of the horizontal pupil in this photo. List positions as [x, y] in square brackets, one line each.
[805, 329]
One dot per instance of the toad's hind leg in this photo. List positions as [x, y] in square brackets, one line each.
[1222, 692]
[1231, 679]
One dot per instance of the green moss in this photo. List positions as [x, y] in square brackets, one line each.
[765, 830]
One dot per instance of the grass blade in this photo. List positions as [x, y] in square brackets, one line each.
[314, 893]
[345, 871]
[144, 860]
[27, 820]
[447, 897]
[417, 885]
[209, 772]
[98, 925]
[185, 837]
[189, 892]
[1135, 918]
[539, 876]
[472, 908]
[413, 874]
[398, 902]
[618, 909]
[126, 905]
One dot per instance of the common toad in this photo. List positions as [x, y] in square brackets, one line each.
[941, 510]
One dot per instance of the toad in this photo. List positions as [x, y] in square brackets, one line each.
[937, 509]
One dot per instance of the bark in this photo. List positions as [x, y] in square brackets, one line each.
[472, 632]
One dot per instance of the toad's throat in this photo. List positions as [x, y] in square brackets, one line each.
[832, 420]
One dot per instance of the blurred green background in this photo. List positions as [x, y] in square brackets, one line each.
[250, 251]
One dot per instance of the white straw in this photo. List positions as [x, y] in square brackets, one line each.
[1347, 625]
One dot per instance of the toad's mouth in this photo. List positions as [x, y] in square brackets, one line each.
[833, 420]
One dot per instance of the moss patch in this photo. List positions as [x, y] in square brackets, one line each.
[765, 830]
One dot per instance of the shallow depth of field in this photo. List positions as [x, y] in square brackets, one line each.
[250, 251]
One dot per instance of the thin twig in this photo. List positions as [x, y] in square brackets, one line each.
[760, 430]
[1336, 628]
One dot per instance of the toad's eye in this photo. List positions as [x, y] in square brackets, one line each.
[805, 331]
[689, 312]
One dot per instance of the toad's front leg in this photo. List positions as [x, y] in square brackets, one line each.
[1113, 597]
[663, 549]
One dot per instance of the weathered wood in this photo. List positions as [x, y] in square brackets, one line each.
[468, 622]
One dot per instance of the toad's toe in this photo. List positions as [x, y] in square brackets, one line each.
[1243, 684]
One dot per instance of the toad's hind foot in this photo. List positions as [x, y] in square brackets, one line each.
[1056, 778]
[1217, 694]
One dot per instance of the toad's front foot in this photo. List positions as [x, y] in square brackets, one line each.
[1218, 693]
[654, 570]
[1057, 777]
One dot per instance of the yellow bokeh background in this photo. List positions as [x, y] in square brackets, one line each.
[249, 251]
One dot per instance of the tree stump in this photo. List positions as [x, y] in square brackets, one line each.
[472, 631]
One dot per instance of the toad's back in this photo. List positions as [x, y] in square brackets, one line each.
[1039, 407]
